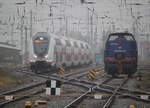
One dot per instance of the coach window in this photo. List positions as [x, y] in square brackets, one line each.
[81, 45]
[82, 57]
[58, 42]
[64, 50]
[68, 43]
[87, 46]
[56, 53]
[87, 57]
[68, 57]
[61, 55]
[75, 44]
[72, 51]
[76, 57]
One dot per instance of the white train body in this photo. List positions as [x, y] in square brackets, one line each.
[48, 51]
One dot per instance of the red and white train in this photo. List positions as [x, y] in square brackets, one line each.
[48, 52]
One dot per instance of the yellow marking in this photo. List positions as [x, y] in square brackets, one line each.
[61, 71]
[28, 103]
[93, 73]
[40, 102]
[62, 86]
[98, 73]
[132, 106]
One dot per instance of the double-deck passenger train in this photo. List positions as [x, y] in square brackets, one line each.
[48, 52]
[120, 55]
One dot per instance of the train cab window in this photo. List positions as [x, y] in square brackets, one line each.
[120, 37]
[58, 42]
[129, 38]
[68, 43]
[75, 44]
[113, 37]
[41, 45]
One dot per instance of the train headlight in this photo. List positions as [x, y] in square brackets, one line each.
[46, 56]
[35, 56]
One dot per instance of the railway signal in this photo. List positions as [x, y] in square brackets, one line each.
[53, 87]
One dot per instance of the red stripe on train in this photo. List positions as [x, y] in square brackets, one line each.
[127, 59]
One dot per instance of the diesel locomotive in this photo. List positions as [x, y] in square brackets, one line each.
[120, 54]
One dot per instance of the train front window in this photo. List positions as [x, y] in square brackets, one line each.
[129, 38]
[41, 45]
[113, 37]
[121, 37]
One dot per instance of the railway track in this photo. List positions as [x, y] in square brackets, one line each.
[90, 86]
[112, 91]
[20, 93]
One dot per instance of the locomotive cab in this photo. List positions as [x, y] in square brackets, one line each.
[120, 54]
[40, 46]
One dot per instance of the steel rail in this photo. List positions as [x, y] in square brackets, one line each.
[81, 83]
[78, 100]
[81, 98]
[111, 99]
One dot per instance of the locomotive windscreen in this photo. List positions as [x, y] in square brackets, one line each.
[121, 37]
[41, 45]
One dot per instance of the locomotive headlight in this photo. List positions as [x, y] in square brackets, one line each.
[35, 56]
[46, 56]
[41, 38]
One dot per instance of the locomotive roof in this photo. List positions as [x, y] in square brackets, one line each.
[121, 33]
